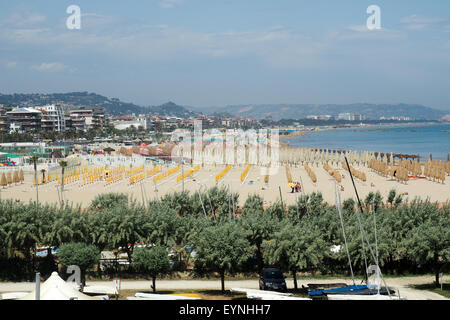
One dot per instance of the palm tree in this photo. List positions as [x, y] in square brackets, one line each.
[34, 159]
[63, 165]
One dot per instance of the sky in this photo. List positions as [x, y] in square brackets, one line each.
[207, 53]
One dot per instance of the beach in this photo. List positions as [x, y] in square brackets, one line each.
[83, 194]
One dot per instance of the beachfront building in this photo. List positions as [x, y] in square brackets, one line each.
[125, 122]
[52, 118]
[357, 117]
[345, 116]
[85, 119]
[122, 125]
[24, 120]
[4, 120]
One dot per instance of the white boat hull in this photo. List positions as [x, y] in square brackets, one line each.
[361, 297]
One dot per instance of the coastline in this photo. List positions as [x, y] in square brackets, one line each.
[285, 139]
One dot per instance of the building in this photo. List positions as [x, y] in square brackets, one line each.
[122, 125]
[357, 117]
[4, 120]
[24, 120]
[85, 119]
[98, 118]
[345, 116]
[325, 117]
[52, 118]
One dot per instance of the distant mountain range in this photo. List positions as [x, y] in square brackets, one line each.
[301, 111]
[275, 111]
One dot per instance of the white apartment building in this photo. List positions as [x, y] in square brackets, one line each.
[52, 118]
[345, 116]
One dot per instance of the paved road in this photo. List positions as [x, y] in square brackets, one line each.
[403, 284]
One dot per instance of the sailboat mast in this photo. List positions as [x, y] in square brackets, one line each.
[359, 221]
[338, 206]
[363, 234]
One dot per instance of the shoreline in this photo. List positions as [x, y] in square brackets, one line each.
[284, 140]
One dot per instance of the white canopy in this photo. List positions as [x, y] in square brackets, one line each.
[56, 288]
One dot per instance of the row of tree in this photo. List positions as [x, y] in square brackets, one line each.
[412, 236]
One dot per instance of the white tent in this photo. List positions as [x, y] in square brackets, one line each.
[56, 288]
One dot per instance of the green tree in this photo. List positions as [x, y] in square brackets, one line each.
[65, 224]
[391, 196]
[127, 226]
[82, 255]
[24, 230]
[253, 205]
[429, 242]
[161, 226]
[181, 202]
[108, 201]
[296, 247]
[259, 227]
[154, 261]
[221, 248]
[100, 229]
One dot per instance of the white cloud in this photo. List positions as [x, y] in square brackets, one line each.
[361, 32]
[24, 19]
[417, 22]
[11, 64]
[359, 28]
[52, 67]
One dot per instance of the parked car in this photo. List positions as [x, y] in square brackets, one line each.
[272, 279]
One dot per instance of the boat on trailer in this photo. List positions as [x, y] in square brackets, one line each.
[358, 292]
[363, 297]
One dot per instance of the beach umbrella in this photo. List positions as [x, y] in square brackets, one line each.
[9, 178]
[4, 181]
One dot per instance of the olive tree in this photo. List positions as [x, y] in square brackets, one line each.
[83, 255]
[259, 227]
[296, 247]
[221, 248]
[154, 261]
[429, 242]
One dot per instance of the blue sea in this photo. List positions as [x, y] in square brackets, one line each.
[422, 140]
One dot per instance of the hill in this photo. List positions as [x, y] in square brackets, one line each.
[301, 111]
[77, 99]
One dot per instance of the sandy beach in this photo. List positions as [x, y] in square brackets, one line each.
[77, 193]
